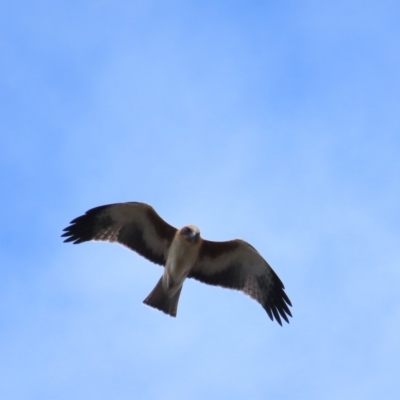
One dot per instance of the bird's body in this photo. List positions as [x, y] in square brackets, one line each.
[181, 258]
[182, 255]
[233, 264]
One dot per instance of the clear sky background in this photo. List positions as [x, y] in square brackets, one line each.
[275, 123]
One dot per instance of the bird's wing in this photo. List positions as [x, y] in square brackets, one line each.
[237, 265]
[135, 225]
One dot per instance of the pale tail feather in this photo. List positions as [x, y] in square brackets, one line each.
[159, 299]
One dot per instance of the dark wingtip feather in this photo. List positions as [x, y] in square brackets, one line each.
[276, 315]
[68, 239]
[82, 228]
[77, 233]
[269, 314]
[285, 297]
[286, 309]
[284, 316]
[277, 304]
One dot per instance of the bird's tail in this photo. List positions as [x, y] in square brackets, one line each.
[159, 299]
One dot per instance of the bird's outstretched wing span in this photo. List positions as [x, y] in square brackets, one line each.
[236, 264]
[135, 225]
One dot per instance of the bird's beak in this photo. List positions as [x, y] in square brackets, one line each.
[194, 237]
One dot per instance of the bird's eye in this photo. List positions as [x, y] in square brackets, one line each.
[186, 230]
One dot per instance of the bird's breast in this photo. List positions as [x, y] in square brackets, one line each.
[181, 258]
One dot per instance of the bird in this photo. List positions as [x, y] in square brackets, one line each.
[233, 264]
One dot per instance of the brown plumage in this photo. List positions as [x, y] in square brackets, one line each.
[233, 264]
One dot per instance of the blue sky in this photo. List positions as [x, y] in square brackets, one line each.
[275, 123]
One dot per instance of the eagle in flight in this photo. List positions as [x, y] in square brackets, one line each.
[233, 264]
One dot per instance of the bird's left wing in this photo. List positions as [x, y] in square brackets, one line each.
[135, 225]
[236, 264]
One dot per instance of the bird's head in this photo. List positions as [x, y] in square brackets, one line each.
[190, 233]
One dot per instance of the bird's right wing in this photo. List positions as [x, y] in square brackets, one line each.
[135, 225]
